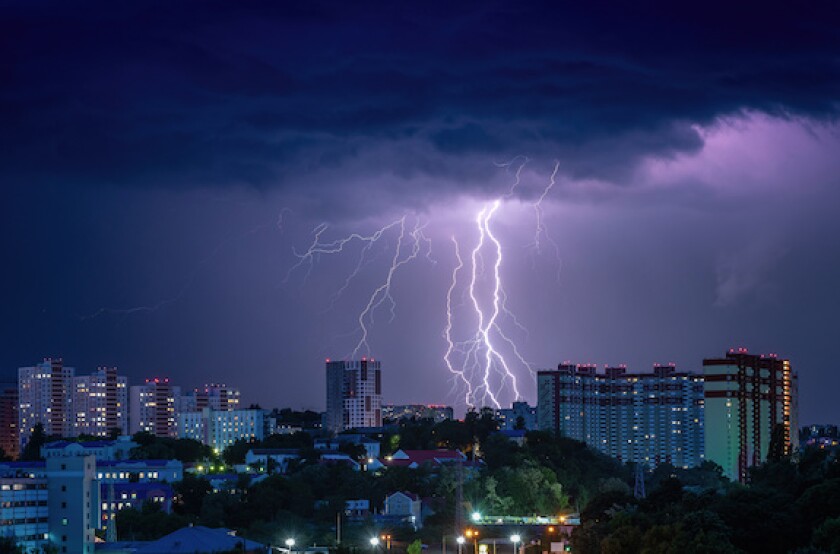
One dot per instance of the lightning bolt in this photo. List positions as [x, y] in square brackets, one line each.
[482, 361]
[540, 229]
[411, 242]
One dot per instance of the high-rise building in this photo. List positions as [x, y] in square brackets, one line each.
[751, 408]
[648, 418]
[354, 395]
[100, 403]
[9, 427]
[46, 396]
[153, 408]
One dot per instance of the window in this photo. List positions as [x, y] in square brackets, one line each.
[64, 505]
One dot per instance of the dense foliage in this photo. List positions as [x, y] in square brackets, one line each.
[789, 505]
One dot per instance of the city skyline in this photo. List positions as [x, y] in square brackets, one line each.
[511, 187]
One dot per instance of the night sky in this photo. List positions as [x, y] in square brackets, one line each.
[164, 165]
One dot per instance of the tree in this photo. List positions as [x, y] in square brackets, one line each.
[8, 545]
[32, 450]
[415, 547]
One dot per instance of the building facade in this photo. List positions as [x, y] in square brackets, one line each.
[649, 418]
[354, 395]
[46, 396]
[100, 403]
[72, 503]
[219, 429]
[152, 408]
[9, 426]
[749, 398]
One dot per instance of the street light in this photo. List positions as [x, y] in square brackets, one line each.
[476, 516]
[460, 541]
[290, 543]
[374, 542]
[515, 539]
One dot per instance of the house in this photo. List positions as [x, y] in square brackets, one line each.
[280, 458]
[334, 457]
[416, 458]
[407, 506]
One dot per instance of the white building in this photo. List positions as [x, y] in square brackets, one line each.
[109, 450]
[220, 429]
[100, 403]
[405, 504]
[46, 396]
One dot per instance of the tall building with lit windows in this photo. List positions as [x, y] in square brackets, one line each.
[100, 403]
[153, 408]
[650, 418]
[354, 395]
[45, 393]
[749, 398]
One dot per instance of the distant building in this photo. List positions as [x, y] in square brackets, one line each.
[749, 399]
[221, 428]
[406, 505]
[9, 422]
[648, 418]
[519, 412]
[354, 395]
[280, 458]
[104, 450]
[435, 412]
[46, 397]
[100, 403]
[140, 471]
[152, 408]
[216, 397]
[120, 496]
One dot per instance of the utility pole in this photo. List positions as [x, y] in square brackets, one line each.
[338, 528]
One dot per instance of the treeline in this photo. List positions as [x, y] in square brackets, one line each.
[789, 506]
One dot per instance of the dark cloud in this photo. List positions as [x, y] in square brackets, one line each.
[162, 94]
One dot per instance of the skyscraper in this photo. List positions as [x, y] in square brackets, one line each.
[153, 408]
[751, 409]
[100, 403]
[354, 395]
[46, 397]
[648, 418]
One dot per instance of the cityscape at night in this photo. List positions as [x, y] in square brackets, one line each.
[475, 277]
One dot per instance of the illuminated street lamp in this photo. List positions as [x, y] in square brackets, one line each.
[374, 542]
[476, 516]
[515, 539]
[290, 543]
[460, 541]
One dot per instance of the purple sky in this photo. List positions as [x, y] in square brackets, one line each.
[161, 165]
